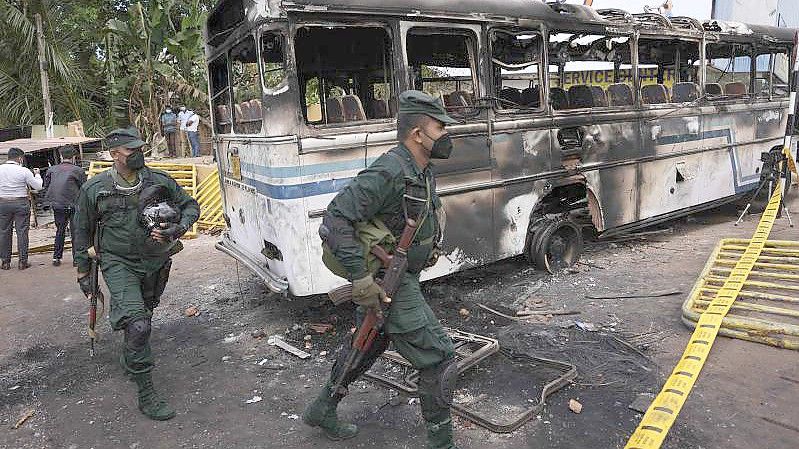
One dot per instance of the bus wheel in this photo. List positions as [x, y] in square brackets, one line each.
[555, 244]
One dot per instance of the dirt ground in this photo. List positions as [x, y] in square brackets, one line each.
[211, 364]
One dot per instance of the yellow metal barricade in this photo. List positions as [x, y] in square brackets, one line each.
[767, 308]
[209, 196]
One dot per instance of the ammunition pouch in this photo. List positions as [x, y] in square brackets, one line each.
[368, 234]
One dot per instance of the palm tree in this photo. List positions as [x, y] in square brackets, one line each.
[20, 86]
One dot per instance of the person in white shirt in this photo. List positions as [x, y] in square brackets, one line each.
[192, 124]
[15, 207]
[183, 117]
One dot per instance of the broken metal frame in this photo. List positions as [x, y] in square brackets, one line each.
[468, 359]
[569, 373]
[465, 358]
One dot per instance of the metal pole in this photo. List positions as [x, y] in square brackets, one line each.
[48, 108]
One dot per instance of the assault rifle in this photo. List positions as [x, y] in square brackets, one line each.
[372, 324]
[97, 294]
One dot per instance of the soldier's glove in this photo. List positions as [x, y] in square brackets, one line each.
[173, 231]
[85, 284]
[366, 292]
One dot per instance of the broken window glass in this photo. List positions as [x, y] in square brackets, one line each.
[220, 94]
[246, 85]
[728, 70]
[345, 74]
[668, 71]
[590, 71]
[440, 63]
[515, 57]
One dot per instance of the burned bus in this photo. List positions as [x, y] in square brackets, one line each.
[569, 117]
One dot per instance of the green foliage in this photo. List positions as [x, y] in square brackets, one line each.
[110, 63]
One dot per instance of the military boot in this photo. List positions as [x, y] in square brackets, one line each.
[439, 434]
[150, 403]
[322, 413]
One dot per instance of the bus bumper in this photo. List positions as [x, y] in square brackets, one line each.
[275, 283]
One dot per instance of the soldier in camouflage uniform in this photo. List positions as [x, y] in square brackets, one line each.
[397, 186]
[135, 256]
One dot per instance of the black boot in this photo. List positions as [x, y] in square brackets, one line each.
[322, 413]
[150, 403]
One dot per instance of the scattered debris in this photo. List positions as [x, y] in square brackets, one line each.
[24, 418]
[13, 388]
[293, 416]
[642, 402]
[524, 313]
[276, 340]
[260, 333]
[323, 353]
[464, 312]
[321, 328]
[254, 400]
[226, 358]
[586, 326]
[655, 294]
[575, 406]
[191, 311]
[231, 338]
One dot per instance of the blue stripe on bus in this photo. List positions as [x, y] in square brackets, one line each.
[306, 170]
[295, 191]
[714, 134]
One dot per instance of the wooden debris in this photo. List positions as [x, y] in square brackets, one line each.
[276, 340]
[320, 328]
[575, 406]
[191, 311]
[24, 418]
[531, 315]
[656, 294]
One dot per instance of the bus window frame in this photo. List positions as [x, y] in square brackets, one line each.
[511, 113]
[226, 91]
[772, 51]
[615, 32]
[256, 36]
[700, 43]
[474, 40]
[729, 39]
[311, 129]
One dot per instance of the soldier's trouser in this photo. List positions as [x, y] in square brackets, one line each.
[135, 293]
[419, 338]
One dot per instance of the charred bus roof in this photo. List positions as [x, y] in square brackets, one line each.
[229, 15]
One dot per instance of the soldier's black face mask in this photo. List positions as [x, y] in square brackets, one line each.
[442, 147]
[135, 160]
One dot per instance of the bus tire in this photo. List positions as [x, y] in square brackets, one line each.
[555, 244]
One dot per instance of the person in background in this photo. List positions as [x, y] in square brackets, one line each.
[62, 184]
[183, 117]
[169, 128]
[15, 207]
[192, 126]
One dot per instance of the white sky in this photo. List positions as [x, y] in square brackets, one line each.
[698, 9]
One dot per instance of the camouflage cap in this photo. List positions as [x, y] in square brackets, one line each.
[417, 102]
[124, 137]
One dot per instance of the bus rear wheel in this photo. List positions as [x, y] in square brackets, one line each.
[555, 244]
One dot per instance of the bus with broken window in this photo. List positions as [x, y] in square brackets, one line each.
[570, 118]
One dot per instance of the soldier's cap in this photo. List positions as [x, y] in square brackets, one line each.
[417, 102]
[124, 137]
